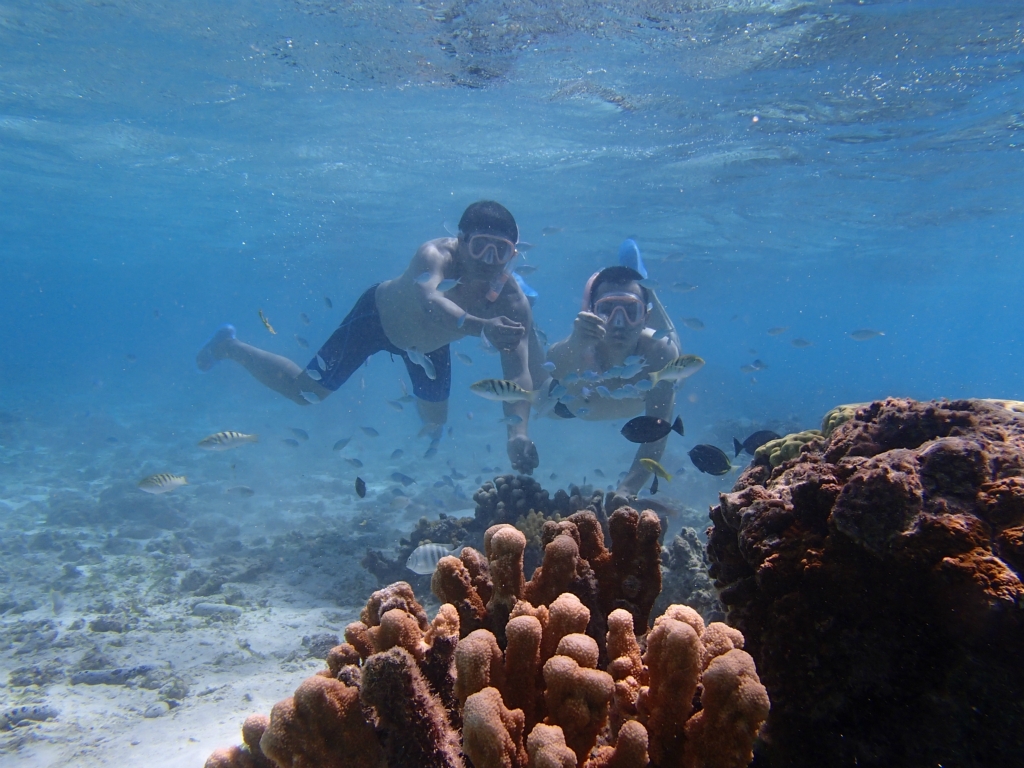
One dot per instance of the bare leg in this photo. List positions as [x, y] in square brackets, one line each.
[433, 414]
[278, 373]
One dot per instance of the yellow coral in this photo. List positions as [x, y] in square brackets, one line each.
[788, 447]
[532, 524]
[839, 415]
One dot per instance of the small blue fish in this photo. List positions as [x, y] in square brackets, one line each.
[644, 385]
[320, 363]
[603, 391]
[341, 443]
[397, 454]
[591, 376]
[395, 405]
[464, 358]
[447, 284]
[355, 463]
[629, 256]
[570, 378]
[310, 397]
[633, 359]
[291, 442]
[314, 374]
[548, 366]
[423, 278]
[370, 432]
[423, 362]
[432, 449]
[558, 391]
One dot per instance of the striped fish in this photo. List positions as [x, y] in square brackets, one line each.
[502, 390]
[425, 557]
[162, 483]
[681, 368]
[225, 441]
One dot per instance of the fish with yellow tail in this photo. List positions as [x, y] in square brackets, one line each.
[501, 390]
[162, 483]
[266, 323]
[225, 441]
[652, 466]
[683, 367]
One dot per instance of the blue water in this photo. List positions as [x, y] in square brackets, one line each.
[821, 166]
[166, 167]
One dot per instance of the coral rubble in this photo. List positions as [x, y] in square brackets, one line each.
[524, 674]
[875, 573]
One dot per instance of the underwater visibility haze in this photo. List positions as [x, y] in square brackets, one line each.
[828, 198]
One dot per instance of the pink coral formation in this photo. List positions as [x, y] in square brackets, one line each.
[876, 578]
[527, 690]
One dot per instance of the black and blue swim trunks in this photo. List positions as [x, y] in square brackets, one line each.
[361, 335]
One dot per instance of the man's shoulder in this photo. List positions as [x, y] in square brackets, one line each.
[438, 248]
[656, 351]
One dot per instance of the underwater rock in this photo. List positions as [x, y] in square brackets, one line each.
[685, 577]
[876, 577]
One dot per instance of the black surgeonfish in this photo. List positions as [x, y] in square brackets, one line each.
[649, 429]
[562, 410]
[754, 442]
[709, 459]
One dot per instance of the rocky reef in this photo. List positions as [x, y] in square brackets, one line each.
[560, 670]
[874, 570]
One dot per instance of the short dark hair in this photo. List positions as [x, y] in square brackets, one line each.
[617, 275]
[489, 218]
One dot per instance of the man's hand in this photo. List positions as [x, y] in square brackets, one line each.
[503, 333]
[523, 454]
[588, 328]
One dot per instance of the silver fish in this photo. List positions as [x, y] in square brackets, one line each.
[693, 323]
[300, 433]
[425, 557]
[162, 483]
[341, 443]
[225, 441]
[464, 358]
[301, 341]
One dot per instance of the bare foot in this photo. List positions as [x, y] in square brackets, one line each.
[214, 348]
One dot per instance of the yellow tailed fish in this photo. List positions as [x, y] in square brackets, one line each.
[501, 390]
[267, 323]
[162, 483]
[681, 368]
[225, 441]
[652, 466]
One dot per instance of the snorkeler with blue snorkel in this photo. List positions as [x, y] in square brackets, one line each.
[601, 370]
